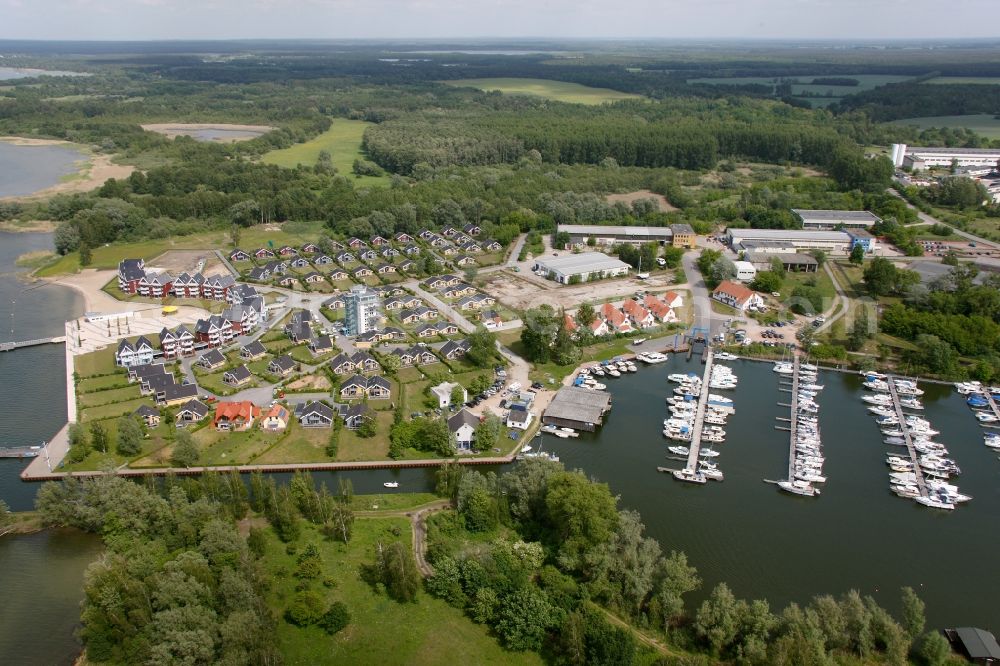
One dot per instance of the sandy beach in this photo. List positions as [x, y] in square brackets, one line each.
[174, 130]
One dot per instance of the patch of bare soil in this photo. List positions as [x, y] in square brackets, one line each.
[190, 261]
[629, 197]
[317, 382]
[174, 130]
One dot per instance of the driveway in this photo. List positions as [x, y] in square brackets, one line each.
[704, 318]
[924, 217]
[445, 309]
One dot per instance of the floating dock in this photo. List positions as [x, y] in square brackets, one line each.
[907, 436]
[11, 346]
[20, 452]
[699, 417]
[794, 421]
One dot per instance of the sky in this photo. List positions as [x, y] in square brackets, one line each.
[431, 19]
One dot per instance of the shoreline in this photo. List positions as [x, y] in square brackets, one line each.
[29, 227]
[95, 170]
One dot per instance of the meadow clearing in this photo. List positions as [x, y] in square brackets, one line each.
[559, 91]
[342, 141]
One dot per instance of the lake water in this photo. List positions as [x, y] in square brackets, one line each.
[221, 134]
[28, 169]
[11, 73]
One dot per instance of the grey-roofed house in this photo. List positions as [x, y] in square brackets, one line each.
[463, 429]
[192, 411]
[315, 415]
[282, 365]
[341, 364]
[977, 645]
[175, 394]
[320, 345]
[452, 349]
[211, 359]
[354, 415]
[577, 408]
[253, 350]
[149, 415]
[237, 376]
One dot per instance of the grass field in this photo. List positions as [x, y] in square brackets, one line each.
[865, 82]
[108, 256]
[342, 141]
[559, 91]
[983, 123]
[381, 631]
[980, 80]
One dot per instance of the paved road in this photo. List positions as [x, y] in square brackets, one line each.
[924, 217]
[442, 307]
[704, 318]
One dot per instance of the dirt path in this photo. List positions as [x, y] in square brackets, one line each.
[418, 524]
[643, 638]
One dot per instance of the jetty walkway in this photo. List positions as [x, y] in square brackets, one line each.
[11, 346]
[699, 417]
[907, 436]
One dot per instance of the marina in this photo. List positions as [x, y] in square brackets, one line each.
[805, 453]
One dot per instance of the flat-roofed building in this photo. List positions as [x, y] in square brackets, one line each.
[919, 157]
[793, 262]
[606, 235]
[745, 271]
[580, 267]
[577, 408]
[836, 219]
[831, 242]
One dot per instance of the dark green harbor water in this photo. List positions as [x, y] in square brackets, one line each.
[765, 543]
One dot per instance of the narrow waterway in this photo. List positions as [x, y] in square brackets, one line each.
[765, 543]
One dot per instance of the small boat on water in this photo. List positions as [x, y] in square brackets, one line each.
[679, 450]
[783, 368]
[689, 476]
[652, 357]
[391, 484]
[725, 356]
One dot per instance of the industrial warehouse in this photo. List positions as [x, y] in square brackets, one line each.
[795, 240]
[580, 267]
[918, 158]
[577, 408]
[606, 235]
[836, 219]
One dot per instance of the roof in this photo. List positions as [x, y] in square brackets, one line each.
[978, 643]
[146, 410]
[240, 373]
[213, 356]
[734, 289]
[236, 410]
[463, 417]
[255, 348]
[178, 391]
[285, 362]
[837, 216]
[195, 407]
[278, 411]
[316, 407]
[617, 230]
[952, 151]
[788, 235]
[577, 404]
[682, 228]
[584, 262]
[784, 257]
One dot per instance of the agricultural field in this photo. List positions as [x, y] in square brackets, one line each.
[817, 95]
[985, 124]
[342, 141]
[558, 91]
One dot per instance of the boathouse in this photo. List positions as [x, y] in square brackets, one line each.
[577, 408]
[977, 645]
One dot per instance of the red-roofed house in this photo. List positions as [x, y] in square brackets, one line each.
[642, 317]
[662, 311]
[673, 299]
[617, 320]
[235, 416]
[736, 295]
[571, 324]
[598, 328]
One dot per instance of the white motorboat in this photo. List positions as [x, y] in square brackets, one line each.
[713, 437]
[391, 484]
[614, 373]
[934, 503]
[725, 356]
[799, 487]
[783, 368]
[598, 372]
[690, 476]
[652, 357]
[867, 374]
[809, 367]
[679, 450]
[678, 377]
[708, 453]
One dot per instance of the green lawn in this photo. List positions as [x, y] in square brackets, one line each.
[112, 396]
[101, 383]
[342, 141]
[559, 91]
[353, 447]
[299, 445]
[231, 448]
[382, 631]
[390, 501]
[983, 123]
[100, 362]
[113, 410]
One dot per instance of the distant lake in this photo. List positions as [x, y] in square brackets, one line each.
[224, 135]
[9, 73]
[27, 169]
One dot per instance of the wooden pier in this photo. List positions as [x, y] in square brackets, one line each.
[11, 346]
[699, 417]
[20, 452]
[994, 407]
[907, 437]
